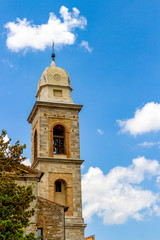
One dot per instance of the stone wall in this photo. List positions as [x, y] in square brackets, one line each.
[75, 232]
[63, 167]
[69, 172]
[26, 182]
[50, 219]
[67, 178]
[44, 120]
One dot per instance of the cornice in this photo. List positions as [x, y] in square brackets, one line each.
[57, 160]
[39, 104]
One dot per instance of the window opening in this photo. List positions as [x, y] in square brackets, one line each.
[58, 186]
[35, 144]
[57, 93]
[40, 233]
[59, 140]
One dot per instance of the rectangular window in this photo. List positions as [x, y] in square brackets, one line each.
[40, 233]
[57, 93]
[58, 187]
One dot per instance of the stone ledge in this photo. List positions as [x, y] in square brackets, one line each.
[74, 220]
[75, 225]
[52, 105]
[57, 160]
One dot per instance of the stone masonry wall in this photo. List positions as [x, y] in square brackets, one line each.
[66, 167]
[33, 219]
[46, 185]
[67, 178]
[74, 233]
[43, 117]
[50, 219]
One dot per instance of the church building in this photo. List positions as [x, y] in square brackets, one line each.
[55, 153]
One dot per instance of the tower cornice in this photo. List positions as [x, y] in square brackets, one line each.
[38, 104]
[57, 160]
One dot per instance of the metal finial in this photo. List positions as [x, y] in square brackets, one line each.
[53, 54]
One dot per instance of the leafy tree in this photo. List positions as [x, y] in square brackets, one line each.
[14, 199]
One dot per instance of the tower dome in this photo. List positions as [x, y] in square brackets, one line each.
[54, 85]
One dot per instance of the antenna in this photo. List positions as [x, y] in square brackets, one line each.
[53, 54]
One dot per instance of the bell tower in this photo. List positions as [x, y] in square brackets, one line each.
[55, 146]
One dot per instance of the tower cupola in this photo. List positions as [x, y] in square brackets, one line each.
[54, 85]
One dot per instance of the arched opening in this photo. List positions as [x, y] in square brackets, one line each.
[35, 145]
[59, 140]
[60, 192]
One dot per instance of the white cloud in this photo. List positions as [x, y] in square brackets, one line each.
[145, 120]
[149, 144]
[85, 44]
[23, 34]
[6, 138]
[118, 196]
[100, 131]
[158, 180]
[27, 162]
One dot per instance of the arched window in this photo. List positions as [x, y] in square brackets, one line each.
[59, 140]
[60, 192]
[35, 145]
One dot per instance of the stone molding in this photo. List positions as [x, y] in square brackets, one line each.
[57, 160]
[38, 104]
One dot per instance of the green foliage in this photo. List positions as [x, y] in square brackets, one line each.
[14, 199]
[10, 156]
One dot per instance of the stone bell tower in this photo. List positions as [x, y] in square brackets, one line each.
[55, 146]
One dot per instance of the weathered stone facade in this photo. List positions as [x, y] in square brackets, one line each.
[51, 218]
[44, 117]
[30, 177]
[58, 156]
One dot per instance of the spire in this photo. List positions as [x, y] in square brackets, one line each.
[53, 54]
[53, 63]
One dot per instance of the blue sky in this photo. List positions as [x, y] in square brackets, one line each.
[111, 51]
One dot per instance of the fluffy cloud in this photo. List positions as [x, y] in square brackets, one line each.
[27, 162]
[85, 44]
[100, 131]
[6, 139]
[22, 34]
[145, 120]
[149, 144]
[118, 196]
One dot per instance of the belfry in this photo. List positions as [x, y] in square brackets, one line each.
[55, 146]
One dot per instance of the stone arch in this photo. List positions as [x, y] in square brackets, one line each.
[66, 139]
[66, 179]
